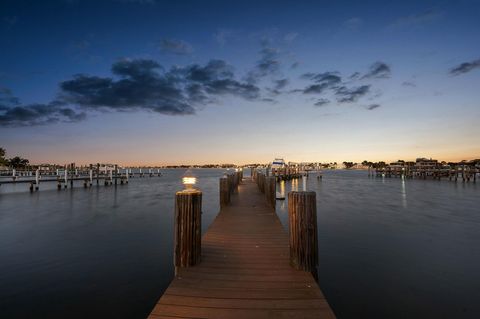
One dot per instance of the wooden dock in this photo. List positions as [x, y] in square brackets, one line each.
[244, 270]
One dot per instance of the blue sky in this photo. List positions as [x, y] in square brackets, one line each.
[153, 82]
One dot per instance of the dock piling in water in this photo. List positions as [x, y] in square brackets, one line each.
[270, 190]
[187, 228]
[224, 192]
[302, 214]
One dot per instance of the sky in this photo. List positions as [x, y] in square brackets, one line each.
[150, 82]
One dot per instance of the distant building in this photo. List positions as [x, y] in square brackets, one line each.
[426, 163]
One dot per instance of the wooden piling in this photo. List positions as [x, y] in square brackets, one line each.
[188, 228]
[270, 191]
[302, 212]
[72, 171]
[224, 192]
[37, 179]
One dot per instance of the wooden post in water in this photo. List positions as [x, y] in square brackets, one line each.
[91, 175]
[65, 173]
[116, 170]
[224, 191]
[270, 191]
[72, 171]
[37, 179]
[302, 213]
[188, 228]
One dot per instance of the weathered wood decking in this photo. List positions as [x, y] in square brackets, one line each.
[245, 271]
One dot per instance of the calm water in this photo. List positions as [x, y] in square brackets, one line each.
[388, 248]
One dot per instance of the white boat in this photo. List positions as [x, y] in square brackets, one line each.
[280, 196]
[278, 163]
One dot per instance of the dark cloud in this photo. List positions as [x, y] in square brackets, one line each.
[143, 84]
[378, 70]
[7, 99]
[213, 70]
[217, 78]
[37, 114]
[347, 95]
[323, 81]
[294, 65]
[373, 106]
[173, 46]
[135, 84]
[465, 67]
[137, 69]
[315, 88]
[280, 84]
[354, 76]
[321, 102]
[409, 84]
[268, 64]
[269, 100]
[328, 78]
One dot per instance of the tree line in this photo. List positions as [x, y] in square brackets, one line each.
[14, 162]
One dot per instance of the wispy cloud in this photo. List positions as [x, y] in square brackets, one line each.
[373, 107]
[173, 46]
[290, 37]
[268, 64]
[222, 36]
[417, 19]
[378, 70]
[10, 21]
[353, 24]
[348, 95]
[321, 102]
[465, 67]
[409, 84]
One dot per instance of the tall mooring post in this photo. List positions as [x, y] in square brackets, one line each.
[302, 214]
[72, 171]
[37, 179]
[270, 190]
[224, 191]
[188, 226]
[90, 173]
[65, 173]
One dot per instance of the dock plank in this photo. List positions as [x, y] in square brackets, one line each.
[245, 271]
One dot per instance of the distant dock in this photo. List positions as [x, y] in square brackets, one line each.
[107, 175]
[427, 169]
[246, 266]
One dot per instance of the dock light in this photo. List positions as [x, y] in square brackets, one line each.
[189, 179]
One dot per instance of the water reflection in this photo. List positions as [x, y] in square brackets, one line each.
[404, 252]
[404, 193]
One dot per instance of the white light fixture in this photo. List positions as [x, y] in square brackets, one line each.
[189, 180]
